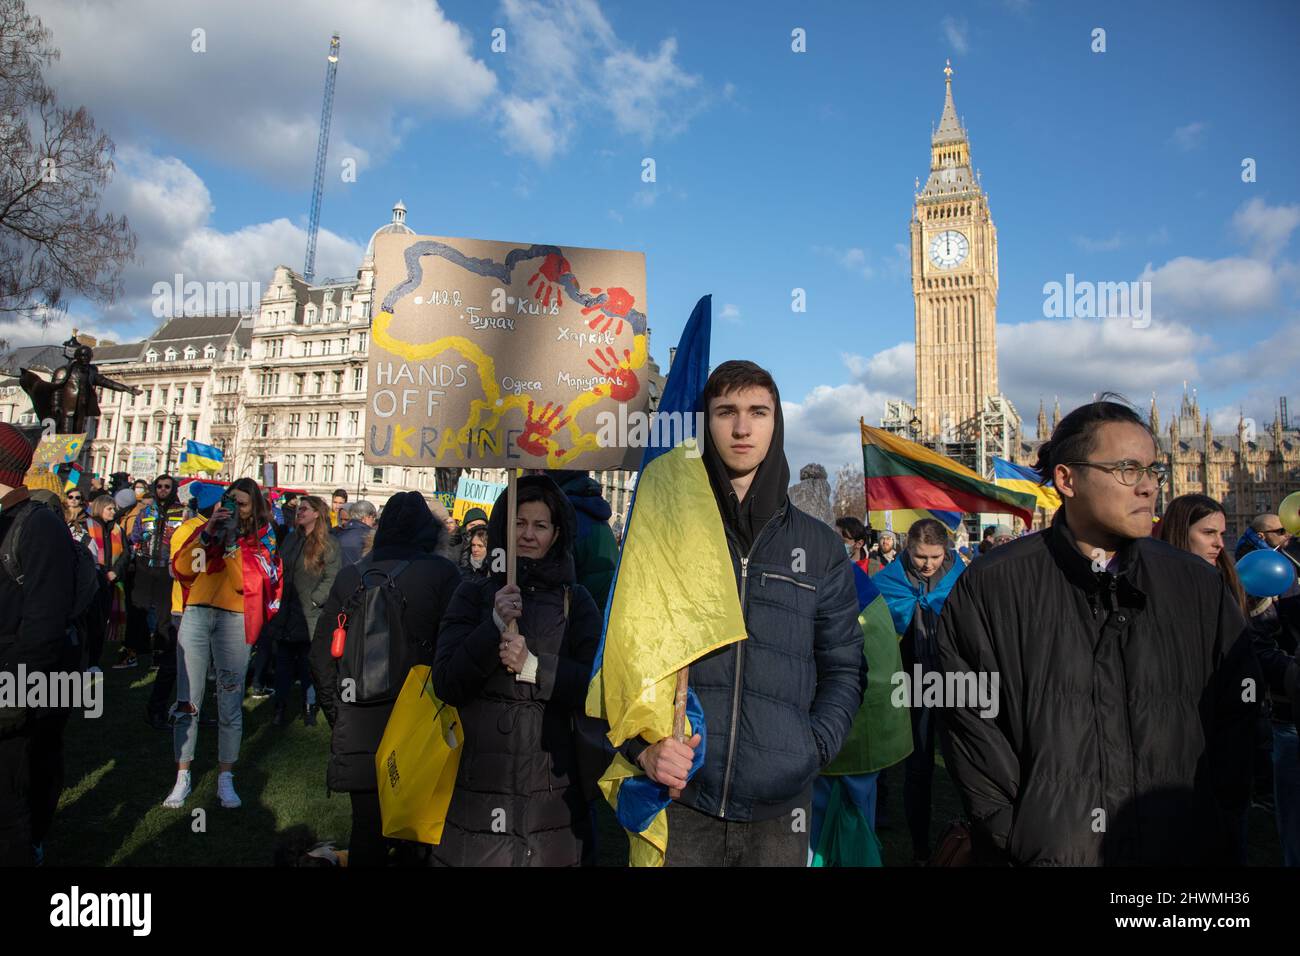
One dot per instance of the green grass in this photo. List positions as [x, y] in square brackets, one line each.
[119, 770]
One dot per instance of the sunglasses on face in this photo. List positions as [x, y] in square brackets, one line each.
[74, 497]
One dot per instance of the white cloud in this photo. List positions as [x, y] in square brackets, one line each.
[170, 210]
[17, 331]
[253, 99]
[1075, 358]
[1266, 228]
[893, 370]
[1188, 287]
[823, 426]
[730, 313]
[1275, 357]
[956, 33]
[1190, 136]
[853, 259]
[569, 70]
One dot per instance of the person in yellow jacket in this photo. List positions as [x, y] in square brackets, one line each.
[231, 576]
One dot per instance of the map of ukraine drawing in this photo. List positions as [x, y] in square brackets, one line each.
[550, 427]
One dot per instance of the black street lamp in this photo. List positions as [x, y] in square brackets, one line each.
[914, 426]
[172, 419]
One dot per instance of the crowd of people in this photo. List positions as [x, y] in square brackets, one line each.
[1143, 695]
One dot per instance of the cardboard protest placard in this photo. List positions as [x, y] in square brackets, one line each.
[143, 462]
[496, 354]
[472, 493]
[56, 450]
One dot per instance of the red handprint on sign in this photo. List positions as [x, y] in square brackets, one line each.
[540, 426]
[548, 278]
[623, 382]
[617, 302]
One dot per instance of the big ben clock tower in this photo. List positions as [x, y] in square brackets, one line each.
[954, 283]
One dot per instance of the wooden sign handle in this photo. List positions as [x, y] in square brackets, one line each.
[679, 716]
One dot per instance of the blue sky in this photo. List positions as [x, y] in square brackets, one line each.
[775, 170]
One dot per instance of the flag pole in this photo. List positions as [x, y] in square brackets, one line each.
[512, 507]
[679, 716]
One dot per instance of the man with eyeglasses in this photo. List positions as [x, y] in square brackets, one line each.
[1127, 684]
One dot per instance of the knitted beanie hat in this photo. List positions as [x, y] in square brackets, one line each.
[15, 455]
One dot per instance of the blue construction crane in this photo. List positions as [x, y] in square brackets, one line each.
[322, 147]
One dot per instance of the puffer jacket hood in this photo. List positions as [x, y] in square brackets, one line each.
[584, 494]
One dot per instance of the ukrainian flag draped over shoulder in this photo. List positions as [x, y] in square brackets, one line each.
[902, 596]
[674, 600]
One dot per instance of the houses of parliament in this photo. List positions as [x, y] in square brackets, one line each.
[960, 410]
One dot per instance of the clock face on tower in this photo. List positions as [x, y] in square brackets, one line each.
[949, 249]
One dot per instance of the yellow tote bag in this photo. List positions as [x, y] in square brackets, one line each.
[417, 761]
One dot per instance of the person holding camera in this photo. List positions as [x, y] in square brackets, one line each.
[232, 575]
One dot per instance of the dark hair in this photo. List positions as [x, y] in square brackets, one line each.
[1075, 437]
[928, 531]
[851, 526]
[261, 510]
[340, 493]
[735, 375]
[1175, 527]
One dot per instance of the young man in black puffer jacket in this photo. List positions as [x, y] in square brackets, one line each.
[406, 532]
[778, 705]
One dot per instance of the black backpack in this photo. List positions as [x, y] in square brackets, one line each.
[85, 575]
[377, 653]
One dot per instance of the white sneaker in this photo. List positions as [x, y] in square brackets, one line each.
[226, 790]
[176, 799]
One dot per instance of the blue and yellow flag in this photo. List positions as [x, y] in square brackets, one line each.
[1025, 479]
[197, 458]
[674, 600]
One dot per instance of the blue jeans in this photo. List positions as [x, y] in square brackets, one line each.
[208, 632]
[1286, 789]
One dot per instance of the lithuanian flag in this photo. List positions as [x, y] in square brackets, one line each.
[903, 474]
[1024, 479]
[674, 600]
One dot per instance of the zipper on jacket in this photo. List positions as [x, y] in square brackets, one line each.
[735, 691]
[782, 577]
[740, 659]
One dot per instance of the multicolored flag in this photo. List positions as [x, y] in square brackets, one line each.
[904, 474]
[664, 612]
[1025, 479]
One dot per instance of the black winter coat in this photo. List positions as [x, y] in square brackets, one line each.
[427, 585]
[518, 798]
[778, 705]
[1121, 735]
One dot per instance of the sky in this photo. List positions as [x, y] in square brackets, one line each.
[775, 170]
